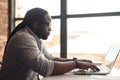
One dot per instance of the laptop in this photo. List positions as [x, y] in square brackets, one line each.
[107, 65]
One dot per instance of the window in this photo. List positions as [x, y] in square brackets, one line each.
[87, 28]
[91, 28]
[92, 6]
[92, 35]
[23, 5]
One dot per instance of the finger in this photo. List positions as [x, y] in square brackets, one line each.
[89, 61]
[92, 67]
[96, 68]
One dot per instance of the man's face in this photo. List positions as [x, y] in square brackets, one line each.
[44, 28]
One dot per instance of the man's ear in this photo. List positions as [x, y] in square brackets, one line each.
[35, 24]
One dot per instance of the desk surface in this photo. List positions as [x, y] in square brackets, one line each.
[114, 75]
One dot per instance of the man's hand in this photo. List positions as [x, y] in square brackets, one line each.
[85, 60]
[87, 65]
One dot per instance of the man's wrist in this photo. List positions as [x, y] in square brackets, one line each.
[76, 62]
[74, 58]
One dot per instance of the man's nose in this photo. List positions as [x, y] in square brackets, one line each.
[50, 29]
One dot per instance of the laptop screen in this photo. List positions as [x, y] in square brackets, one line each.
[111, 55]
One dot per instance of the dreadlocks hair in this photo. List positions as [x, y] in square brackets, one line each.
[30, 17]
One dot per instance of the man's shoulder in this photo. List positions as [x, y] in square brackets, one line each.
[23, 35]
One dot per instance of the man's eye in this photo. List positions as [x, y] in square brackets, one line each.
[47, 24]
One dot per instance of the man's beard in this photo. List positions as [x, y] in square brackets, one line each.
[41, 34]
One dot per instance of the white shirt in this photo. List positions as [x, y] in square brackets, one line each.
[25, 56]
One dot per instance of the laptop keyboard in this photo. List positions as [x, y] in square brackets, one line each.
[102, 68]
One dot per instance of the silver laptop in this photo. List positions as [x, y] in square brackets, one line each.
[108, 63]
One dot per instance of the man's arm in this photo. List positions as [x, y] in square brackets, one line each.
[63, 67]
[61, 59]
[65, 59]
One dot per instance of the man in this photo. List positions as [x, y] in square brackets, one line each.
[25, 56]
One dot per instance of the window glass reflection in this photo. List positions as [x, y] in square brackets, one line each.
[23, 5]
[92, 6]
[92, 35]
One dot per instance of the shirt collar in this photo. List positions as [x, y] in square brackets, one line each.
[32, 33]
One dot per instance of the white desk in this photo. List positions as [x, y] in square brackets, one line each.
[114, 75]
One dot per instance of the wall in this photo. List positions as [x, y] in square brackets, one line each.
[3, 24]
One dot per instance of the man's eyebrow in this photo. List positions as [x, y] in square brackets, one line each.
[46, 22]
